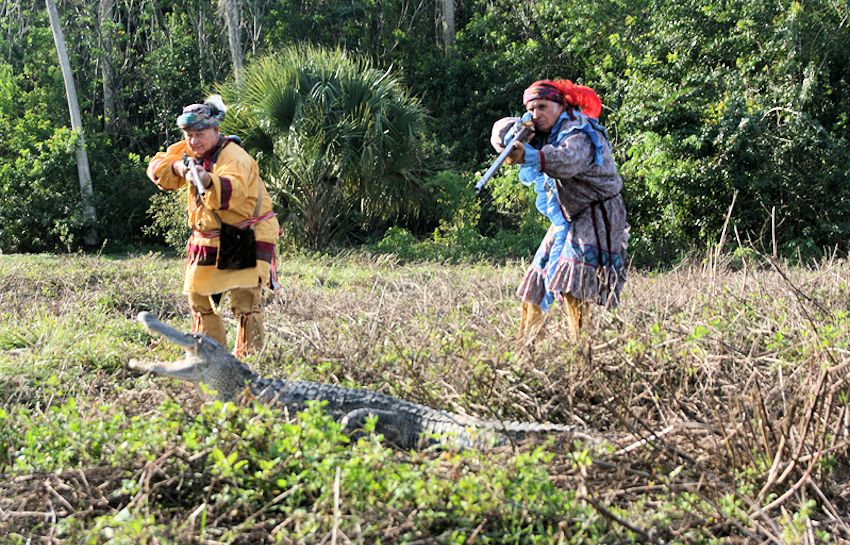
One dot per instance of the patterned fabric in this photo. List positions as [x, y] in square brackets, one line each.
[542, 91]
[196, 117]
[233, 197]
[591, 264]
[563, 91]
[532, 289]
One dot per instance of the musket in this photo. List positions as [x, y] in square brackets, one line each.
[526, 129]
[196, 179]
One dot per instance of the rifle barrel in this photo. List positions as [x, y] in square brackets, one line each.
[520, 136]
[196, 179]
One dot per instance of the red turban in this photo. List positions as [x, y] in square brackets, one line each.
[563, 91]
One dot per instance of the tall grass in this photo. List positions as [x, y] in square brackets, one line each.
[719, 394]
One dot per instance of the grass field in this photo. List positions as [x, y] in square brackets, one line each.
[719, 396]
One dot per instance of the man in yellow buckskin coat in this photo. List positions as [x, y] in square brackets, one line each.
[232, 194]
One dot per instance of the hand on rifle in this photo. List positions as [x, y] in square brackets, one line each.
[517, 155]
[512, 151]
[202, 174]
[524, 130]
[179, 168]
[184, 170]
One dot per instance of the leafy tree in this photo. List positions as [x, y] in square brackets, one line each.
[734, 97]
[703, 99]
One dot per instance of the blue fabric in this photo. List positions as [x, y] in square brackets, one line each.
[592, 257]
[547, 260]
[531, 164]
[547, 203]
[541, 261]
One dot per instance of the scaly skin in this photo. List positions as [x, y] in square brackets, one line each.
[402, 423]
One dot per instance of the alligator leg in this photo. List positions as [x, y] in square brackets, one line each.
[394, 432]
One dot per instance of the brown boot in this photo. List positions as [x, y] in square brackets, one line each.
[535, 321]
[578, 315]
[532, 315]
[523, 319]
[205, 320]
[250, 331]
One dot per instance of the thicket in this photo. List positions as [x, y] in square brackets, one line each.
[707, 102]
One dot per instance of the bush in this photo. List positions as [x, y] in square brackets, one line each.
[253, 464]
[450, 192]
[41, 208]
[398, 241]
[501, 223]
[168, 213]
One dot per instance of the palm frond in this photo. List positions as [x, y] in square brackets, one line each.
[332, 131]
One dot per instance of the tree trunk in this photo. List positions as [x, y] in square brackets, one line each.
[230, 11]
[256, 8]
[89, 214]
[447, 19]
[111, 106]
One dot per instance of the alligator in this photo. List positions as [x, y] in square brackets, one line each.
[402, 423]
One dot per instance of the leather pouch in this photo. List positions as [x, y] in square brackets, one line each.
[238, 248]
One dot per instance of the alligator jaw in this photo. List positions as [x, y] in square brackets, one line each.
[206, 362]
[185, 340]
[185, 369]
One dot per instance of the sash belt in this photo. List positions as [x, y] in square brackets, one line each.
[244, 224]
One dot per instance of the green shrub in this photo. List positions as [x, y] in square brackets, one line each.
[398, 241]
[451, 191]
[167, 212]
[41, 209]
[249, 464]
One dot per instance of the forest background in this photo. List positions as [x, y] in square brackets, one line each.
[374, 133]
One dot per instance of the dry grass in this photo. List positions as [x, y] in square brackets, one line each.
[726, 390]
[730, 384]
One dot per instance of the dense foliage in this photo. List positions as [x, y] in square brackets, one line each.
[707, 102]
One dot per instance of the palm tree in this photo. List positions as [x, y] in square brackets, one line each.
[337, 139]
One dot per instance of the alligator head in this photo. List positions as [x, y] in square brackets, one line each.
[207, 361]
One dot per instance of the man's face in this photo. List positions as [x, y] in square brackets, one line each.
[202, 141]
[544, 113]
